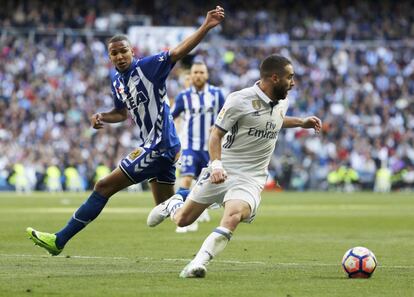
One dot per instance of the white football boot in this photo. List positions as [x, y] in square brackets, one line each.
[190, 228]
[181, 229]
[160, 212]
[193, 270]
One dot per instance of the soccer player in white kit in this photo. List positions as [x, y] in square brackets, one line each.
[241, 145]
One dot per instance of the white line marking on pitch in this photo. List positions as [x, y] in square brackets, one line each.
[46, 256]
[187, 260]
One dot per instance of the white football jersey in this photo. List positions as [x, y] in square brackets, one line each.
[252, 122]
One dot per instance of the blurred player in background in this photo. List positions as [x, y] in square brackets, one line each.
[248, 124]
[197, 107]
[137, 86]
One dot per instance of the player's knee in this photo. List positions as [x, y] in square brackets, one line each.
[232, 220]
[101, 186]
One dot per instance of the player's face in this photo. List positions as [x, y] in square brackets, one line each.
[199, 75]
[120, 54]
[284, 83]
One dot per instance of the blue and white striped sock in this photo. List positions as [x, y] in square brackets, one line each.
[174, 205]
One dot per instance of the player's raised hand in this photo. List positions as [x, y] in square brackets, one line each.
[312, 122]
[214, 17]
[96, 121]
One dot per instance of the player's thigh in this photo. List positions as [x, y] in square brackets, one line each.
[161, 191]
[204, 192]
[247, 192]
[112, 183]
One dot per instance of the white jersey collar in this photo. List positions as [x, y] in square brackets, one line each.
[261, 94]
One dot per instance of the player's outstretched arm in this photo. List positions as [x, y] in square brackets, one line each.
[307, 123]
[113, 116]
[213, 18]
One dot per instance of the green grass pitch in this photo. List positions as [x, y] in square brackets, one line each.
[293, 248]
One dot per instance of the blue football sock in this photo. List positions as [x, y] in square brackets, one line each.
[85, 214]
[183, 192]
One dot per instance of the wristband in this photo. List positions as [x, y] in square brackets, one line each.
[216, 164]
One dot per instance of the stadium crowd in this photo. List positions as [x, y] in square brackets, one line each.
[250, 20]
[360, 86]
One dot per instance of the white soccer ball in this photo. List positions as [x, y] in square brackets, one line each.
[359, 262]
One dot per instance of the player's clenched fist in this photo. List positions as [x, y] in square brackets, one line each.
[96, 121]
[218, 174]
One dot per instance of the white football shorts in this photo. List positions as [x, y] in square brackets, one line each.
[236, 187]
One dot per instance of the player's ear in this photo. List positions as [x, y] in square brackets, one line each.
[274, 78]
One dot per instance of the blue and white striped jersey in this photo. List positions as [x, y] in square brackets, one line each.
[199, 111]
[141, 89]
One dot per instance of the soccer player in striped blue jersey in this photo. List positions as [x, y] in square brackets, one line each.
[198, 107]
[138, 87]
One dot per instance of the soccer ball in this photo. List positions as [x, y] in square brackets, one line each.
[359, 262]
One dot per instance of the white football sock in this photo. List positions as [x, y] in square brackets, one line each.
[213, 245]
[175, 204]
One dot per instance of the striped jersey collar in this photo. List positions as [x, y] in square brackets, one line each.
[205, 90]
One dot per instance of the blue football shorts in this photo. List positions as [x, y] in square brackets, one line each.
[146, 164]
[192, 162]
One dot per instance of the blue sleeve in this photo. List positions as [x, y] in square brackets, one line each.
[221, 99]
[117, 102]
[178, 106]
[157, 67]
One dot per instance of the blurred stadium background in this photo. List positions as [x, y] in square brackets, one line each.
[354, 69]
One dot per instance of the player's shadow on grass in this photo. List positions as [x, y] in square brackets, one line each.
[330, 277]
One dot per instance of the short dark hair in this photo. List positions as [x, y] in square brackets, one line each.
[118, 37]
[273, 64]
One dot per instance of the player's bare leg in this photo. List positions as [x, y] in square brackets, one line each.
[161, 191]
[182, 213]
[112, 183]
[186, 182]
[86, 213]
[235, 211]
[188, 213]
